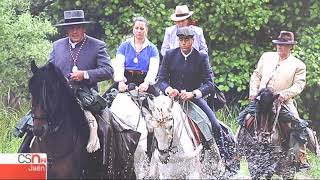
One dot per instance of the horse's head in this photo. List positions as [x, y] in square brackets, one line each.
[265, 99]
[265, 115]
[163, 124]
[46, 87]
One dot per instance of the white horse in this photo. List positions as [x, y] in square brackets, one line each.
[179, 150]
[133, 116]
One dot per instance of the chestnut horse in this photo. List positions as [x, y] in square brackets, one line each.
[265, 142]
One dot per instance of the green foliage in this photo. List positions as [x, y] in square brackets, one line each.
[236, 31]
[23, 37]
[309, 51]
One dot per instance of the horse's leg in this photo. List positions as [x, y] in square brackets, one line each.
[153, 171]
[197, 166]
[140, 159]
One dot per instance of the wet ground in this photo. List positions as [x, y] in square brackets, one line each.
[243, 174]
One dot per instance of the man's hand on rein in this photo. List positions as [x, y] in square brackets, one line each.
[184, 95]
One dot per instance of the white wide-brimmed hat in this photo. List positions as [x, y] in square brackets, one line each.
[182, 12]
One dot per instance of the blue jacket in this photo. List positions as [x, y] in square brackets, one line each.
[92, 58]
[193, 73]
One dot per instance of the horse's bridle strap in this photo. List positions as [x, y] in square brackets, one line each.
[38, 117]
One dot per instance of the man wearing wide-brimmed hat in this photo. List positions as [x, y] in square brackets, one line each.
[285, 75]
[181, 16]
[84, 60]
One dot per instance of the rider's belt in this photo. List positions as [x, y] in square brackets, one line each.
[135, 72]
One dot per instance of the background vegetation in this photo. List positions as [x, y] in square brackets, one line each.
[236, 31]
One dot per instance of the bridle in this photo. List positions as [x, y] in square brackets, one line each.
[52, 127]
[161, 123]
[266, 136]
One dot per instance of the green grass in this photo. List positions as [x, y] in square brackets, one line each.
[8, 119]
[229, 115]
[314, 172]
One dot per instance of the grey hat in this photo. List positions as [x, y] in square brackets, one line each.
[73, 17]
[185, 31]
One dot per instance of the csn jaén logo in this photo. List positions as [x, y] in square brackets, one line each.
[31, 158]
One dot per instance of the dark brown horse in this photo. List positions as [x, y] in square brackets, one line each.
[62, 132]
[265, 142]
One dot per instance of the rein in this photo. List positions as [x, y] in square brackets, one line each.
[170, 147]
[53, 128]
[139, 104]
[274, 124]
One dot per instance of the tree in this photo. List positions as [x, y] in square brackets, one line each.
[236, 31]
[23, 37]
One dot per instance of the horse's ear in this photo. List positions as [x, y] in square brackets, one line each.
[151, 104]
[34, 67]
[51, 65]
[276, 96]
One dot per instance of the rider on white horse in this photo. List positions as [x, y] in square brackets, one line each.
[186, 72]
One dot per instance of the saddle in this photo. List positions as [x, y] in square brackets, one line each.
[116, 139]
[199, 118]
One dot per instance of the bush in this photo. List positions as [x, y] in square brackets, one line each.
[23, 38]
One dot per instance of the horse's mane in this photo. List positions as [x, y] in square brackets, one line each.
[49, 89]
[265, 99]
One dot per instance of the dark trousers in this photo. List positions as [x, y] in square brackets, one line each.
[216, 128]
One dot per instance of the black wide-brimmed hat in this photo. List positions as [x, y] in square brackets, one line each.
[285, 38]
[73, 17]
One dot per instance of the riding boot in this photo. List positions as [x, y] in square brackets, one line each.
[93, 143]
